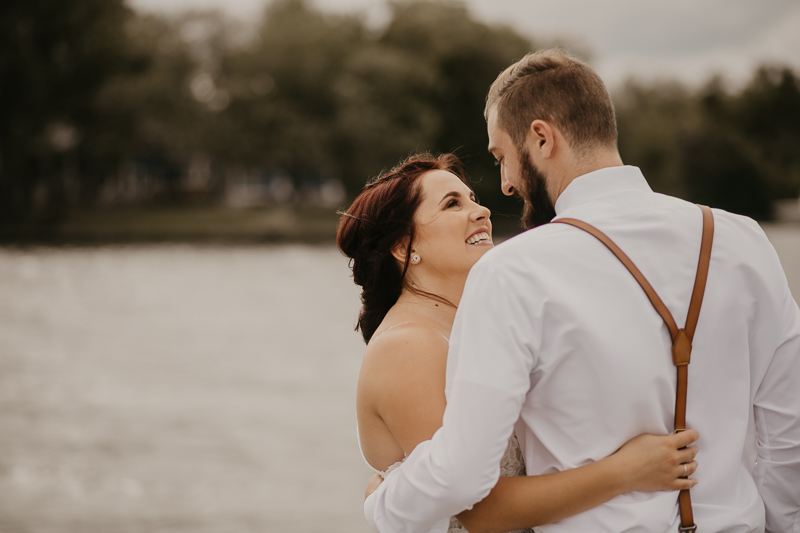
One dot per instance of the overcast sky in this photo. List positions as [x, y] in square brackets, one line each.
[680, 39]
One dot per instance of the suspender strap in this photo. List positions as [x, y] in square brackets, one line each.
[681, 338]
[702, 272]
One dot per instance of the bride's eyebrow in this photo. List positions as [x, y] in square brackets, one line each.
[451, 194]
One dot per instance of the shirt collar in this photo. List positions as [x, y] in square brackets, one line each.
[602, 182]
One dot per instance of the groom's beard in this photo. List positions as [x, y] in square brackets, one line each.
[539, 209]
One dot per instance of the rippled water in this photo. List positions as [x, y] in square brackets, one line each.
[186, 389]
[172, 388]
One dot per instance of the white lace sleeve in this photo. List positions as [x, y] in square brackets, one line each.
[512, 464]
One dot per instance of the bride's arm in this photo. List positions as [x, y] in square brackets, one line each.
[402, 381]
[646, 463]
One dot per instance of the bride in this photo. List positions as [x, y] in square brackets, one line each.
[412, 236]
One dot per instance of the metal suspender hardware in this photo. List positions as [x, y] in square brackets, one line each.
[681, 338]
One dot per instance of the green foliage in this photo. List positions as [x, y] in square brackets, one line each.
[717, 170]
[150, 113]
[349, 102]
[466, 56]
[285, 103]
[649, 120]
[55, 57]
[737, 151]
[767, 116]
[92, 90]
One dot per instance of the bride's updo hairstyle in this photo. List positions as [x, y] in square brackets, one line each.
[380, 218]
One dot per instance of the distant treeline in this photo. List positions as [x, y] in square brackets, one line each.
[737, 151]
[94, 93]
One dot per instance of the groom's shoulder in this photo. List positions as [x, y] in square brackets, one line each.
[539, 238]
[553, 241]
[531, 245]
[745, 239]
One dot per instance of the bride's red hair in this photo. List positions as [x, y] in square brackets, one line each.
[379, 218]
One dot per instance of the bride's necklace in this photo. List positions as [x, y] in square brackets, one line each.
[442, 312]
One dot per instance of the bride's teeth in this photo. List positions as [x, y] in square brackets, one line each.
[475, 239]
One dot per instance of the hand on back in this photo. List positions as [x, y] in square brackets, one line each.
[653, 463]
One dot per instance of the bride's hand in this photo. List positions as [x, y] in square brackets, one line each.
[652, 463]
[372, 485]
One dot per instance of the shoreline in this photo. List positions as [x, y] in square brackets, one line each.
[200, 225]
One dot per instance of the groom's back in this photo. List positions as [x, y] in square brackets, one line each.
[603, 370]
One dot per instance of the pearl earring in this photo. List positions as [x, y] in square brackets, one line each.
[415, 259]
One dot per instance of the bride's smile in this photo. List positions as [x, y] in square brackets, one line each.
[453, 229]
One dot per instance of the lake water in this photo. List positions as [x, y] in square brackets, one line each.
[172, 388]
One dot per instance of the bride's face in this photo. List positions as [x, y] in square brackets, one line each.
[452, 230]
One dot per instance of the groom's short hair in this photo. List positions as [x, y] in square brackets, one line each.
[552, 85]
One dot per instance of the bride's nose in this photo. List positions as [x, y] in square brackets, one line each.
[480, 213]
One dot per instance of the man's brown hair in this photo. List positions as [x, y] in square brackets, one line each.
[552, 85]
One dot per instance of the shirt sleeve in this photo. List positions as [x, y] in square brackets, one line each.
[489, 368]
[777, 415]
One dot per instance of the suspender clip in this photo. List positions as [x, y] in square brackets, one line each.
[681, 349]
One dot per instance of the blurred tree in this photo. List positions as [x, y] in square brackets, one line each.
[54, 58]
[717, 170]
[466, 56]
[649, 120]
[767, 116]
[321, 93]
[284, 105]
[387, 110]
[737, 151]
[92, 91]
[150, 115]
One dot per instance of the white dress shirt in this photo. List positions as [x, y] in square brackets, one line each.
[553, 334]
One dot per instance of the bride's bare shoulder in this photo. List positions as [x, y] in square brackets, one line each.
[404, 351]
[405, 336]
[402, 382]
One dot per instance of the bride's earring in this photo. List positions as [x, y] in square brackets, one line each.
[415, 259]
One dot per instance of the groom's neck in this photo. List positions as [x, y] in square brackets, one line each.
[565, 171]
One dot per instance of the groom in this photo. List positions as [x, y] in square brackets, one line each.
[554, 337]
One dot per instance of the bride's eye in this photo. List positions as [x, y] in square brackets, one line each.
[498, 161]
[452, 203]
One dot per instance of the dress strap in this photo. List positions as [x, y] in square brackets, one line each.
[402, 324]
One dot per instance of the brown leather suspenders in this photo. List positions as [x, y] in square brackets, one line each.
[681, 338]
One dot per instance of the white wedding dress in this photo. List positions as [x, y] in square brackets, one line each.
[511, 464]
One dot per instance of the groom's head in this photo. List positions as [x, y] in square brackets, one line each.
[550, 118]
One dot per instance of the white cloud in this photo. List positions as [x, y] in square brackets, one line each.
[681, 39]
[778, 43]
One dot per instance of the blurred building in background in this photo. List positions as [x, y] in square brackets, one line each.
[102, 107]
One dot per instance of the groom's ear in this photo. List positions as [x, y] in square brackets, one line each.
[400, 249]
[541, 138]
